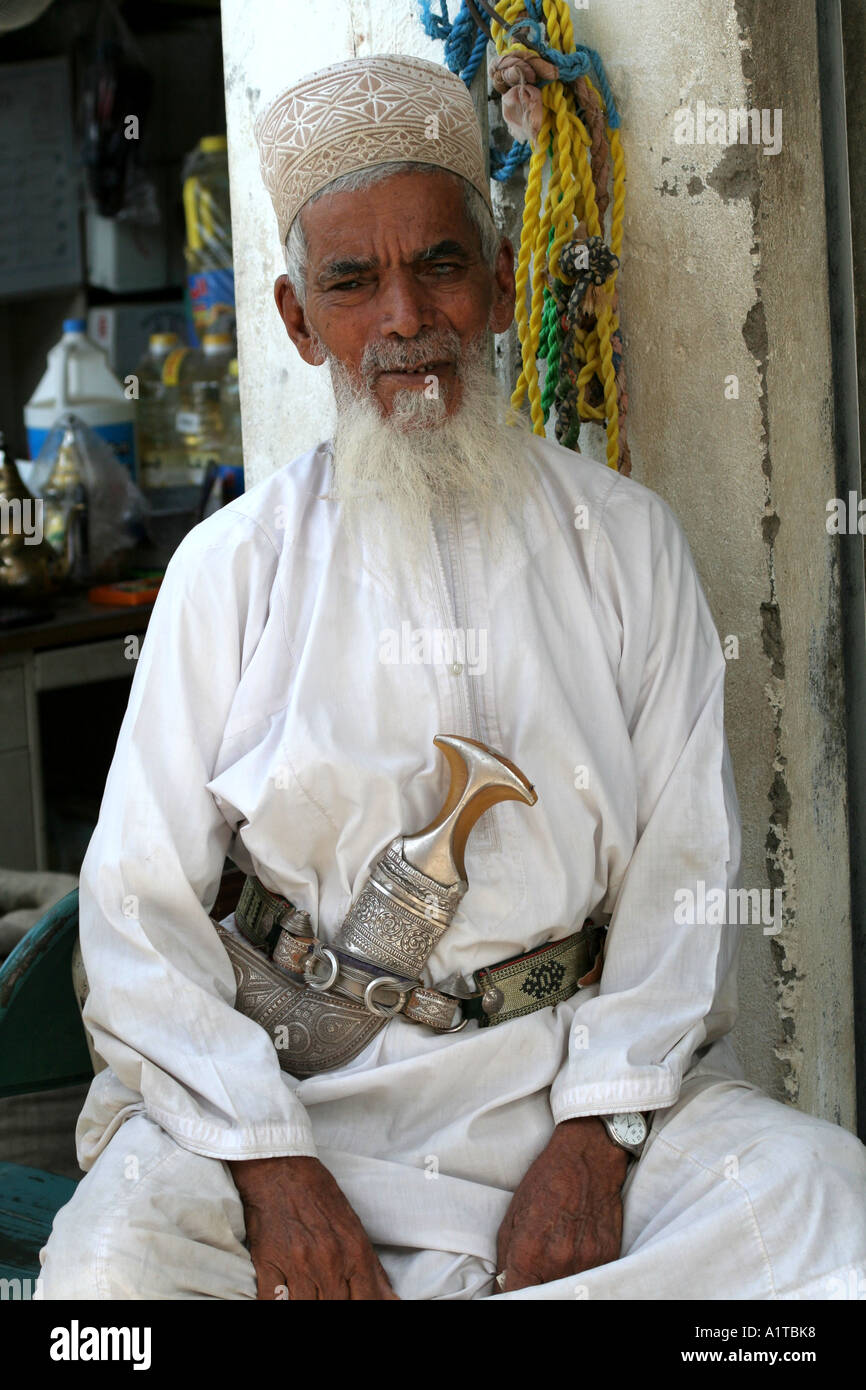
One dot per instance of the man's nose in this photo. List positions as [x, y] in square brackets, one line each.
[404, 306]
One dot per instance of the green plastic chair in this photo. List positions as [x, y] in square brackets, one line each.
[43, 1046]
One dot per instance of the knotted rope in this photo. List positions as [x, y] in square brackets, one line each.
[557, 96]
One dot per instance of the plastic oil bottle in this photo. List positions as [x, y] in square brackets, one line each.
[161, 461]
[208, 249]
[199, 420]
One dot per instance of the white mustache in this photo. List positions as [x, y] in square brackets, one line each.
[411, 356]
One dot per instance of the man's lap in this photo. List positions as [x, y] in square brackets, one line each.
[735, 1196]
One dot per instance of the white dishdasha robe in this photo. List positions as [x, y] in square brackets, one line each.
[283, 712]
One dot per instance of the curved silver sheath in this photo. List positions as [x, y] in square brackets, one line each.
[311, 1032]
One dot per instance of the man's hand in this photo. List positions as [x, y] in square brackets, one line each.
[566, 1215]
[304, 1238]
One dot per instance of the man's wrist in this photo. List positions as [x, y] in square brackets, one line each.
[248, 1172]
[586, 1135]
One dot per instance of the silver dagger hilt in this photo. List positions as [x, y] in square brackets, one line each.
[416, 884]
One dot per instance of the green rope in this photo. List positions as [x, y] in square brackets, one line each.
[550, 348]
[550, 337]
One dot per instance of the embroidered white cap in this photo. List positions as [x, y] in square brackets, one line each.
[362, 112]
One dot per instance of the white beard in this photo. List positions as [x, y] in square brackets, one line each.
[415, 460]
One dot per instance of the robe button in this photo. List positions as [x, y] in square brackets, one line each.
[456, 668]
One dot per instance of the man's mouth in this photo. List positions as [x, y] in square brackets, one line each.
[420, 369]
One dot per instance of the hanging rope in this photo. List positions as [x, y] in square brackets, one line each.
[465, 49]
[556, 96]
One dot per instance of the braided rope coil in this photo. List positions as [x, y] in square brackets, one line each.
[561, 112]
[567, 300]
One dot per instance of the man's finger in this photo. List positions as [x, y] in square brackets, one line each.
[363, 1290]
[273, 1284]
[517, 1278]
[333, 1290]
[303, 1290]
[503, 1240]
[269, 1280]
[382, 1280]
[383, 1284]
[384, 1290]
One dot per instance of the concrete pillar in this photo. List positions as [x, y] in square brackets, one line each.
[724, 305]
[726, 277]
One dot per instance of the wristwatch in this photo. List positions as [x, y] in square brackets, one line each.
[628, 1129]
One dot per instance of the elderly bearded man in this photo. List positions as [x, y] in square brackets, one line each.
[269, 719]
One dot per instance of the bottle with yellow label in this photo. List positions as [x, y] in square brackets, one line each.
[159, 454]
[199, 420]
[230, 398]
[208, 249]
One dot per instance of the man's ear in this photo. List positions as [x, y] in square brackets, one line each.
[502, 304]
[297, 327]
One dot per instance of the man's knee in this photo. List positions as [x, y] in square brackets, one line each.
[806, 1183]
[150, 1220]
[824, 1171]
[69, 1258]
[810, 1159]
[102, 1219]
[738, 1130]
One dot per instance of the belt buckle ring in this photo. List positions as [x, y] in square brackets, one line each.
[457, 1027]
[385, 1010]
[322, 953]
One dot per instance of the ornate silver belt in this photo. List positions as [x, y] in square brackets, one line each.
[323, 1004]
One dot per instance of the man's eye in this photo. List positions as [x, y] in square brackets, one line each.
[346, 285]
[445, 265]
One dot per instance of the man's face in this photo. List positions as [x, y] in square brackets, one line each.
[394, 272]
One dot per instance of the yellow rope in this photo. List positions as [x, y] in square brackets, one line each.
[618, 213]
[528, 241]
[570, 199]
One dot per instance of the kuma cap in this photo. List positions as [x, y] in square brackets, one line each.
[365, 111]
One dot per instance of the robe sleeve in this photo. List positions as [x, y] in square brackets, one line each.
[162, 989]
[668, 985]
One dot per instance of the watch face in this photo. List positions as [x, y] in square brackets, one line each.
[630, 1128]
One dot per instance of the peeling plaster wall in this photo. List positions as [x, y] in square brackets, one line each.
[692, 318]
[813, 957]
[724, 275]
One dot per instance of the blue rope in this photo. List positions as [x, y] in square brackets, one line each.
[436, 26]
[502, 166]
[469, 68]
[460, 44]
[465, 47]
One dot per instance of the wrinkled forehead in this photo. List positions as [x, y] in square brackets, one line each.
[404, 216]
